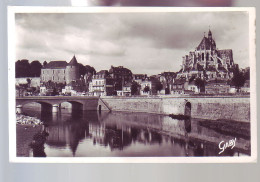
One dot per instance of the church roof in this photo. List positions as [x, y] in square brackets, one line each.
[73, 61]
[56, 65]
[206, 44]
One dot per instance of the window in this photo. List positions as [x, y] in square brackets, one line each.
[202, 56]
[52, 77]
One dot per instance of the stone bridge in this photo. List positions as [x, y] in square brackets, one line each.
[204, 107]
[52, 103]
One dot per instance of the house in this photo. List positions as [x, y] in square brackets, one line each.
[193, 87]
[102, 84]
[121, 76]
[180, 86]
[217, 87]
[146, 87]
[139, 78]
[167, 79]
[150, 85]
[126, 91]
[246, 87]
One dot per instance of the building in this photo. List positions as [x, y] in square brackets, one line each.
[149, 86]
[121, 76]
[60, 71]
[167, 79]
[207, 62]
[217, 87]
[193, 87]
[139, 78]
[126, 91]
[102, 84]
[180, 86]
[246, 87]
[77, 87]
[88, 80]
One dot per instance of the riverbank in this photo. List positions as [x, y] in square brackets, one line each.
[228, 127]
[27, 120]
[24, 137]
[202, 107]
[26, 128]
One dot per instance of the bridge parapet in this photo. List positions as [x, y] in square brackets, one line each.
[47, 102]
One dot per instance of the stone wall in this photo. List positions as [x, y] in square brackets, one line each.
[232, 108]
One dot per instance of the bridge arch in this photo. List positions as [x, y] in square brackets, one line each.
[75, 105]
[45, 106]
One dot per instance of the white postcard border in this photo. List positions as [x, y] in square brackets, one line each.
[11, 86]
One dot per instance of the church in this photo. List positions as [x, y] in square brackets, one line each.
[207, 62]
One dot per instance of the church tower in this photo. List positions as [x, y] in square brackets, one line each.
[210, 35]
[211, 41]
[72, 70]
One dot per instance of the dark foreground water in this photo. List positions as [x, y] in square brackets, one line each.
[121, 134]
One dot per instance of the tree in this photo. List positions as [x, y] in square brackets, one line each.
[29, 82]
[238, 79]
[135, 88]
[191, 79]
[146, 89]
[22, 68]
[90, 69]
[158, 86]
[82, 69]
[167, 90]
[118, 85]
[45, 63]
[35, 68]
[200, 84]
[247, 74]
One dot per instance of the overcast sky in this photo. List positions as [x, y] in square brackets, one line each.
[143, 42]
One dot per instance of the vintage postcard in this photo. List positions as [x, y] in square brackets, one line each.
[132, 85]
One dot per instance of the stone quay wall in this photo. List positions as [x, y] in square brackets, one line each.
[204, 107]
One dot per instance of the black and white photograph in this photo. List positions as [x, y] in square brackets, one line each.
[159, 85]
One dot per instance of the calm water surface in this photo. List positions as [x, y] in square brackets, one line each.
[93, 134]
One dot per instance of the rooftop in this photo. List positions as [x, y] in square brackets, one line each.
[73, 61]
[55, 65]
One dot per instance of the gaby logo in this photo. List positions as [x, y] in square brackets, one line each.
[229, 144]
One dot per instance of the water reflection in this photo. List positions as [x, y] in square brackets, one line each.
[83, 134]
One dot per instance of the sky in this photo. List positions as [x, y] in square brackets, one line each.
[146, 43]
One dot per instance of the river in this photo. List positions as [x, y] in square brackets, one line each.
[124, 134]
